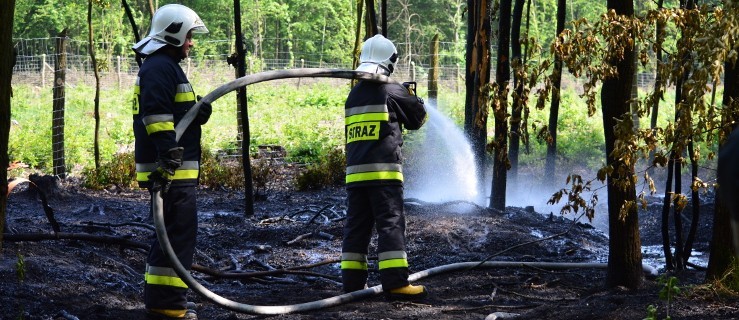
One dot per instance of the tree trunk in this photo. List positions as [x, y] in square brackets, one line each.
[624, 255]
[134, 28]
[722, 250]
[383, 15]
[551, 161]
[96, 113]
[7, 61]
[477, 75]
[358, 35]
[371, 21]
[683, 124]
[243, 111]
[518, 85]
[658, 79]
[665, 223]
[501, 163]
[696, 202]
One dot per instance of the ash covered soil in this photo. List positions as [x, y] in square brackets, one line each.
[95, 269]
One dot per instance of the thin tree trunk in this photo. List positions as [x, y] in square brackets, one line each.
[152, 9]
[665, 223]
[696, 202]
[383, 12]
[477, 75]
[682, 119]
[134, 27]
[371, 18]
[657, 95]
[624, 254]
[683, 123]
[358, 34]
[7, 61]
[551, 161]
[241, 102]
[501, 162]
[93, 60]
[518, 85]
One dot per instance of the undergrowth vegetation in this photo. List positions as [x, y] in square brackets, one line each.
[304, 117]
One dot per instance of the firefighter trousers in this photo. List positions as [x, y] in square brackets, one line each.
[379, 207]
[163, 288]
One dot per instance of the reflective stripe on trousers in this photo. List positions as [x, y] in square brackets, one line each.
[163, 288]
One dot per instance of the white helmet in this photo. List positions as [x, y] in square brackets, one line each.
[170, 25]
[378, 56]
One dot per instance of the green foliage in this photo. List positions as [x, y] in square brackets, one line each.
[651, 312]
[262, 172]
[119, 171]
[20, 267]
[306, 121]
[281, 29]
[328, 171]
[221, 170]
[667, 294]
[575, 200]
[669, 288]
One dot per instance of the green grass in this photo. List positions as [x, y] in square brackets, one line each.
[307, 121]
[305, 118]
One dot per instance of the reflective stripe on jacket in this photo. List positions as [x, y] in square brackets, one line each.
[374, 113]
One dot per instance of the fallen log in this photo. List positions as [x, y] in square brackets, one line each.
[122, 241]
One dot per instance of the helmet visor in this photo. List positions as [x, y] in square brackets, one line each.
[198, 27]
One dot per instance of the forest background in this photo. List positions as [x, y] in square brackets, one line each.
[278, 35]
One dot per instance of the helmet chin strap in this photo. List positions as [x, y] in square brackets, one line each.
[387, 71]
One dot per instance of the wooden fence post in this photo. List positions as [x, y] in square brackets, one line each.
[118, 71]
[43, 70]
[57, 125]
[413, 71]
[434, 71]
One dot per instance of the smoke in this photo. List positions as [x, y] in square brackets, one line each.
[440, 167]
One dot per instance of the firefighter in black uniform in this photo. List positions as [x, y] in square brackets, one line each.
[162, 97]
[374, 114]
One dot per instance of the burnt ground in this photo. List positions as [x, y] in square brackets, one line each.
[80, 277]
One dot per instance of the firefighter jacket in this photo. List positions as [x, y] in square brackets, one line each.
[374, 114]
[162, 96]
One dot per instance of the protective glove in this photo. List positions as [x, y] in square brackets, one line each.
[168, 163]
[411, 87]
[204, 112]
[160, 181]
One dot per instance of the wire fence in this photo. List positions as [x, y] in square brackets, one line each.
[35, 63]
[38, 63]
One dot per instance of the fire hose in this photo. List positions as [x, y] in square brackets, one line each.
[193, 284]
